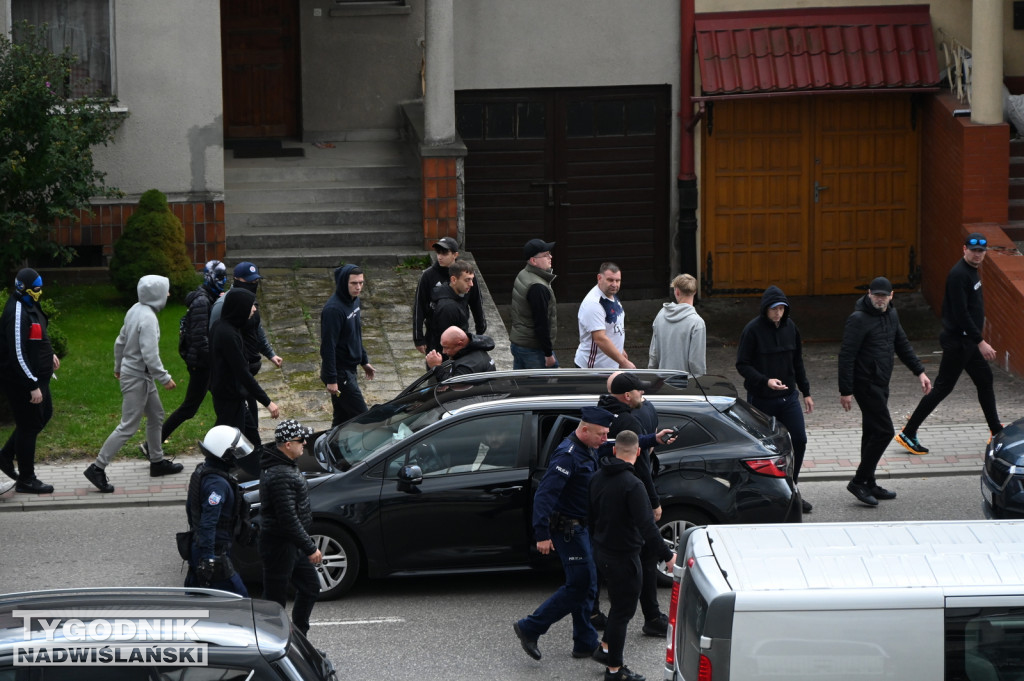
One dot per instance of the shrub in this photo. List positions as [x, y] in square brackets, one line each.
[153, 242]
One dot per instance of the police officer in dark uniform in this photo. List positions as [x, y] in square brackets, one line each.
[622, 523]
[217, 513]
[560, 524]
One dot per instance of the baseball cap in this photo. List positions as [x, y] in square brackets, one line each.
[535, 246]
[775, 305]
[291, 430]
[447, 243]
[248, 272]
[880, 286]
[976, 242]
[625, 382]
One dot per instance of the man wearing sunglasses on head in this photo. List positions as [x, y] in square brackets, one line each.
[963, 348]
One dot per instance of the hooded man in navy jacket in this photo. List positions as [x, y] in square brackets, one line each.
[341, 345]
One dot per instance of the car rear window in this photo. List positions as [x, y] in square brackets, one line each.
[755, 422]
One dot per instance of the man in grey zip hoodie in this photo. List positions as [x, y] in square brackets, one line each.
[679, 341]
[136, 365]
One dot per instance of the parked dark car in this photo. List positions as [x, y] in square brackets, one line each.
[1002, 478]
[241, 638]
[441, 479]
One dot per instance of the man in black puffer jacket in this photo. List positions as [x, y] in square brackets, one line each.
[872, 332]
[286, 549]
[468, 354]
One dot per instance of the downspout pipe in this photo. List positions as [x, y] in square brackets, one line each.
[686, 183]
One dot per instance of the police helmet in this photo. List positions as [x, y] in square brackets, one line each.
[226, 443]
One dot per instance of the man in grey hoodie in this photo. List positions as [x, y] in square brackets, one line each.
[680, 338]
[136, 365]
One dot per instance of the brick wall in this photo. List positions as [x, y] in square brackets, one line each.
[203, 222]
[964, 189]
[440, 199]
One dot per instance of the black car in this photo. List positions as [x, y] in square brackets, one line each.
[1002, 478]
[149, 634]
[441, 479]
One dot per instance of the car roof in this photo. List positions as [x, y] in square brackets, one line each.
[227, 620]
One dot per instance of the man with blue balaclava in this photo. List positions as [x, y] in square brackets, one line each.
[28, 362]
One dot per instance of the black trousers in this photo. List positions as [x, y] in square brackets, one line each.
[649, 605]
[959, 354]
[623, 579]
[876, 429]
[198, 384]
[235, 412]
[29, 421]
[349, 402]
[283, 563]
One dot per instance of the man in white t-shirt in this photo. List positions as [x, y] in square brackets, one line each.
[602, 323]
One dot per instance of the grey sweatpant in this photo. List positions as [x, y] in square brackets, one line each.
[139, 398]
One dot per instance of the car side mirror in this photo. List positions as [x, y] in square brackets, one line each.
[409, 477]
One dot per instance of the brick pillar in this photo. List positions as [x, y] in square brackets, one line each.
[440, 199]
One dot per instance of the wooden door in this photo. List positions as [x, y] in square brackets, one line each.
[260, 52]
[817, 195]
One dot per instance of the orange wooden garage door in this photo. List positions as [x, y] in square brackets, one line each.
[817, 195]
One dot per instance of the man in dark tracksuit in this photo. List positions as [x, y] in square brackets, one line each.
[216, 511]
[341, 345]
[450, 303]
[195, 348]
[468, 354]
[770, 359]
[963, 347]
[560, 510]
[286, 549]
[231, 383]
[625, 399]
[436, 275]
[872, 332]
[27, 362]
[622, 524]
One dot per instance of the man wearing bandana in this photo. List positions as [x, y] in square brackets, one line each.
[602, 323]
[27, 362]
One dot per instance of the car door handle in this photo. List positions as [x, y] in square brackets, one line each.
[506, 491]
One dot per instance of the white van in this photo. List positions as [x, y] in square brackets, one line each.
[849, 601]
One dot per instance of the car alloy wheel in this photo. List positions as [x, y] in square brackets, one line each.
[674, 522]
[340, 567]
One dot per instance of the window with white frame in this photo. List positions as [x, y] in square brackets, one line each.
[85, 27]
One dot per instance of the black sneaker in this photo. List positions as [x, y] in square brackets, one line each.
[862, 492]
[7, 466]
[601, 655]
[33, 486]
[98, 477]
[911, 443]
[599, 620]
[164, 467]
[656, 627]
[881, 493]
[806, 505]
[624, 674]
[580, 654]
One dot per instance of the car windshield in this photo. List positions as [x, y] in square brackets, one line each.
[357, 440]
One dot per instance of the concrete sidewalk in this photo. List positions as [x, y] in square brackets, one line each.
[291, 301]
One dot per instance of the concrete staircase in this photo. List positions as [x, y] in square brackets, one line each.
[356, 202]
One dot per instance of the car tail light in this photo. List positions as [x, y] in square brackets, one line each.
[773, 466]
[704, 669]
[670, 645]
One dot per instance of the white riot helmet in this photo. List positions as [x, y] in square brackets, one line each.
[226, 443]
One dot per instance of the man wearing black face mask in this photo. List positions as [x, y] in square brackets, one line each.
[254, 338]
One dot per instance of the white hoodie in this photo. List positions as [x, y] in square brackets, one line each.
[137, 348]
[679, 342]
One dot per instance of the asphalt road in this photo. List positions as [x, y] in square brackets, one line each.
[423, 628]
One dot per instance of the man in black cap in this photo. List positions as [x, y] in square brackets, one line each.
[872, 333]
[468, 354]
[534, 310]
[27, 361]
[560, 510]
[286, 549]
[437, 274]
[963, 347]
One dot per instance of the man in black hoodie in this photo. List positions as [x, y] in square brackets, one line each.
[286, 549]
[231, 383]
[450, 303]
[770, 359]
[341, 345]
[436, 275]
[468, 354]
[872, 332]
[622, 524]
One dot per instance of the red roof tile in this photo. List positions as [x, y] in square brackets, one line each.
[841, 48]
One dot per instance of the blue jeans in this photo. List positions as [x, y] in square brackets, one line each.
[575, 597]
[789, 410]
[527, 358]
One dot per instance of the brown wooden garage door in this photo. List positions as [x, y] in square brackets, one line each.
[818, 195]
[588, 169]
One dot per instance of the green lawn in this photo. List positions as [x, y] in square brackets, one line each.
[86, 396]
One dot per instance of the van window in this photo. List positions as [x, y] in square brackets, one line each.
[694, 612]
[984, 644]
